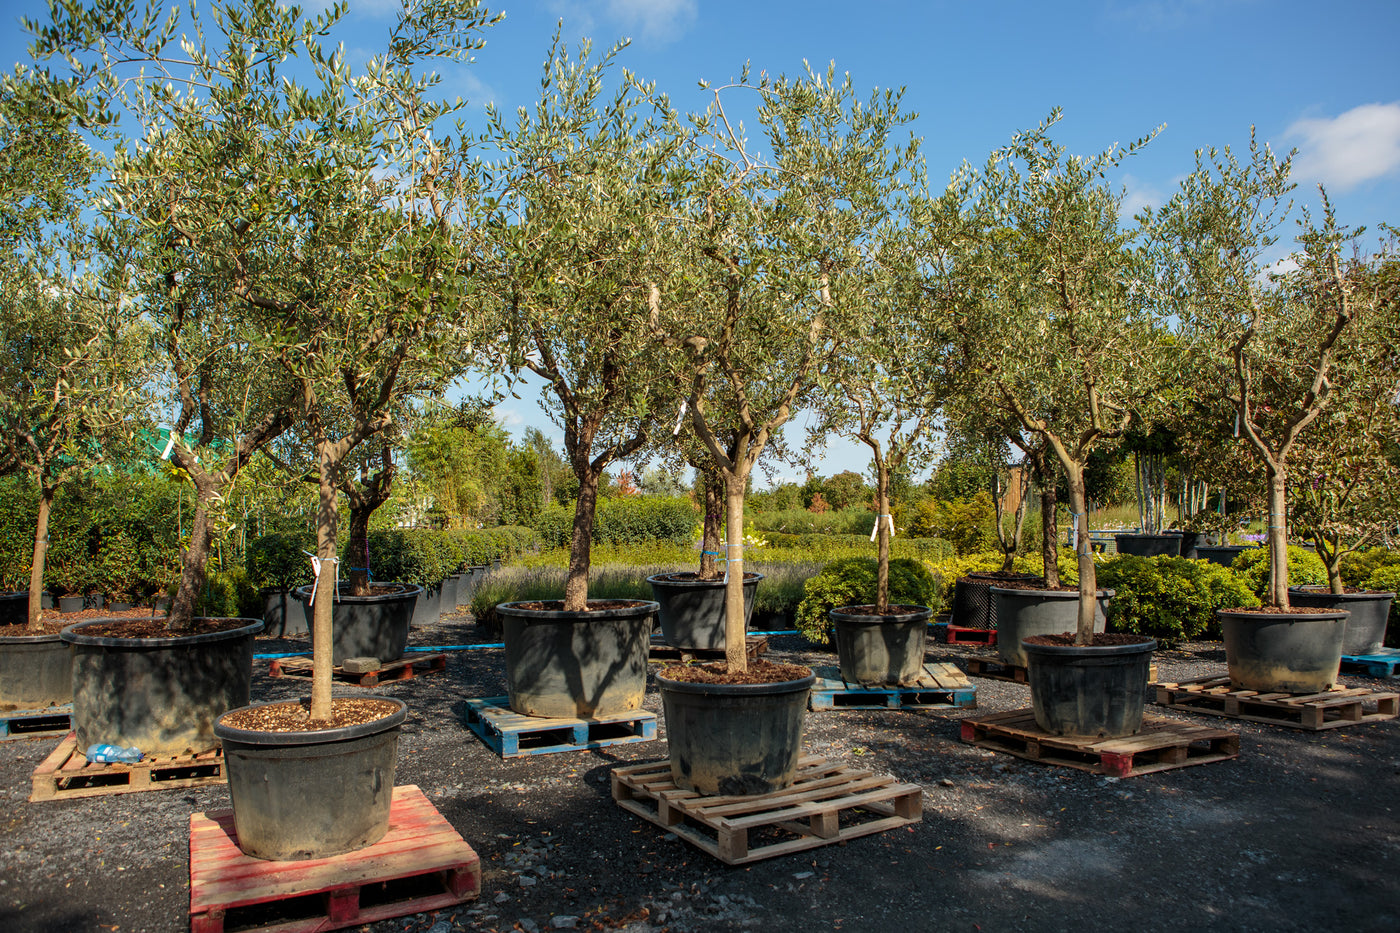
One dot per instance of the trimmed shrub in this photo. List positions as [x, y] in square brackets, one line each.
[1359, 566]
[1387, 580]
[970, 524]
[1171, 598]
[1304, 567]
[851, 581]
[625, 520]
[280, 561]
[228, 594]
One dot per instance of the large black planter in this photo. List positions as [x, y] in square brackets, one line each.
[1283, 652]
[1148, 545]
[1023, 613]
[973, 606]
[1223, 554]
[692, 611]
[881, 649]
[367, 626]
[1089, 690]
[1370, 610]
[14, 608]
[36, 671]
[1190, 541]
[282, 618]
[734, 739]
[161, 695]
[576, 664]
[303, 795]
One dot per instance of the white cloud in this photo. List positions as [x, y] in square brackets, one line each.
[654, 22]
[1137, 196]
[1355, 147]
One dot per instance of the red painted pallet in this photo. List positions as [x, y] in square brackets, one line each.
[1162, 745]
[421, 864]
[403, 669]
[961, 635]
[66, 772]
[1330, 709]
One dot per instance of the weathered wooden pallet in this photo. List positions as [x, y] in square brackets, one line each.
[36, 723]
[662, 653]
[997, 670]
[1384, 663]
[514, 735]
[1162, 745]
[827, 803]
[67, 773]
[962, 635]
[421, 864]
[940, 686]
[1329, 709]
[405, 668]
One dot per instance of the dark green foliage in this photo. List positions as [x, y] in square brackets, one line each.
[1171, 598]
[1386, 579]
[228, 594]
[851, 581]
[280, 560]
[1304, 568]
[1359, 566]
[625, 520]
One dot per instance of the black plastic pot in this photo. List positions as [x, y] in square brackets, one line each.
[734, 739]
[1148, 545]
[303, 795]
[881, 649]
[692, 611]
[576, 664]
[1283, 652]
[367, 626]
[1090, 690]
[161, 695]
[14, 608]
[973, 606]
[1023, 613]
[1190, 542]
[1223, 554]
[1365, 631]
[36, 671]
[277, 620]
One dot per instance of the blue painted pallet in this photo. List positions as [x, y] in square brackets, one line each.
[31, 723]
[512, 735]
[1384, 663]
[940, 686]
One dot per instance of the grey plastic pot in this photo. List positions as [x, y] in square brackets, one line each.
[303, 795]
[1283, 652]
[1023, 613]
[576, 664]
[973, 606]
[1148, 545]
[36, 671]
[734, 739]
[277, 620]
[881, 649]
[692, 611]
[427, 609]
[1089, 690]
[450, 584]
[471, 577]
[1223, 554]
[161, 695]
[367, 626]
[1370, 611]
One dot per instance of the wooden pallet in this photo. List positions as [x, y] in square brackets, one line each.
[661, 653]
[940, 686]
[806, 815]
[1162, 745]
[403, 669]
[421, 864]
[36, 723]
[962, 635]
[67, 773]
[1330, 709]
[514, 735]
[1384, 663]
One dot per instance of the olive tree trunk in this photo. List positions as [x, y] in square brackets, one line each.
[41, 550]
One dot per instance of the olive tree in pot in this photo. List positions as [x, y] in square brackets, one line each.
[70, 361]
[588, 184]
[1282, 349]
[1043, 254]
[760, 320]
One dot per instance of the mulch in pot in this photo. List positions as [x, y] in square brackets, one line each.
[717, 672]
[292, 716]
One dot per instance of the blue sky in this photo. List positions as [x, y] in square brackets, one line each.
[1321, 77]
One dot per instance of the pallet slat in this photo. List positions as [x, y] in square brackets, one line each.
[66, 773]
[940, 686]
[421, 851]
[1311, 711]
[36, 723]
[1383, 663]
[662, 653]
[512, 735]
[405, 668]
[1163, 744]
[841, 809]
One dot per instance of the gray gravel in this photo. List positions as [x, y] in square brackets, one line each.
[1301, 832]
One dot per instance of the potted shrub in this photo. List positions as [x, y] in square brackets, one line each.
[884, 649]
[1283, 349]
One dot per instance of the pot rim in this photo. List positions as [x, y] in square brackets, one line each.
[741, 690]
[920, 613]
[637, 607]
[1258, 615]
[1317, 590]
[1146, 646]
[30, 639]
[309, 737]
[303, 593]
[659, 579]
[1054, 594]
[72, 635]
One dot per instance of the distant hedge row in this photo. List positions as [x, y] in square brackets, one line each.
[626, 520]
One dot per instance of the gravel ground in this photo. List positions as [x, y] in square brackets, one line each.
[1301, 832]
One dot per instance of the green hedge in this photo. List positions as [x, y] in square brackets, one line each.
[626, 520]
[857, 520]
[1171, 598]
[1304, 568]
[833, 546]
[280, 560]
[425, 556]
[1360, 566]
[851, 581]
